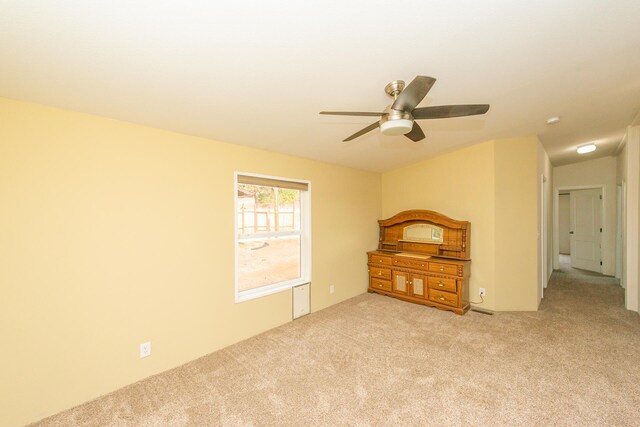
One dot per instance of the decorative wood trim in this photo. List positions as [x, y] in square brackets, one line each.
[423, 215]
[457, 234]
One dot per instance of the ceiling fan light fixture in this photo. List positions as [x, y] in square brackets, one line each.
[396, 127]
[588, 148]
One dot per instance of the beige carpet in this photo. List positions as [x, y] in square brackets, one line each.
[373, 360]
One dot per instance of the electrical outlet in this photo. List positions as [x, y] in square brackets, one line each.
[145, 349]
[483, 292]
[332, 289]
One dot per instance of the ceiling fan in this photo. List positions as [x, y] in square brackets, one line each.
[398, 118]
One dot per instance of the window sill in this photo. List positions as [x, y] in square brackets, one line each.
[268, 290]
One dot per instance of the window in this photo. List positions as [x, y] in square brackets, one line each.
[273, 245]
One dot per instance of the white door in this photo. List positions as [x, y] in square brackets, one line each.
[586, 220]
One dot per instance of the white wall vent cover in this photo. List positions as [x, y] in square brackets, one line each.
[301, 300]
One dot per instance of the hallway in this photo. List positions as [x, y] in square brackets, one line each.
[565, 266]
[586, 292]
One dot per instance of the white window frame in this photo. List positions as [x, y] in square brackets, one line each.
[305, 241]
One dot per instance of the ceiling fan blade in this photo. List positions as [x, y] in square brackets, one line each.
[415, 92]
[361, 132]
[352, 113]
[416, 134]
[444, 111]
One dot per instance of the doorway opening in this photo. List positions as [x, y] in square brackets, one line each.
[578, 227]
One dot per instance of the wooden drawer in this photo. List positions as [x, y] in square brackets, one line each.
[380, 273]
[443, 297]
[376, 283]
[443, 268]
[410, 262]
[380, 260]
[442, 284]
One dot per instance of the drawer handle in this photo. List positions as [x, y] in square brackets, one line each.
[380, 260]
[379, 273]
[441, 268]
[442, 299]
[380, 284]
[440, 284]
[421, 265]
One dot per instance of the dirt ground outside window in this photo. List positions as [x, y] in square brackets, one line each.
[268, 261]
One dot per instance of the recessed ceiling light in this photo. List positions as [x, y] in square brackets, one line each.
[553, 120]
[583, 149]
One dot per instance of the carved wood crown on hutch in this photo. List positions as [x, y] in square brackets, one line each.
[454, 242]
[423, 257]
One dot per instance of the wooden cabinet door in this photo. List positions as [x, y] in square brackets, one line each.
[418, 286]
[400, 282]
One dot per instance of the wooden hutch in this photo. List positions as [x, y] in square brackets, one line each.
[423, 257]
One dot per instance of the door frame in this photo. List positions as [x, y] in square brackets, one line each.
[556, 215]
[620, 209]
[543, 238]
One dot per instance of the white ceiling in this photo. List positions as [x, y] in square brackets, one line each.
[257, 73]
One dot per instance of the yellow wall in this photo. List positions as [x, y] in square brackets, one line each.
[516, 224]
[494, 186]
[112, 234]
[460, 185]
[630, 175]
